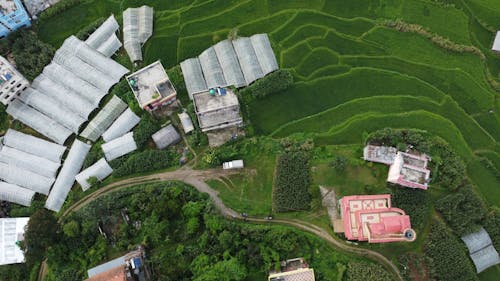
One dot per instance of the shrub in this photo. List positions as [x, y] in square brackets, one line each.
[4, 118]
[416, 204]
[177, 79]
[339, 163]
[146, 161]
[277, 81]
[290, 192]
[143, 131]
[57, 9]
[366, 271]
[84, 33]
[450, 261]
[31, 54]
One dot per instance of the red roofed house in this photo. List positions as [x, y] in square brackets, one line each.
[410, 170]
[372, 218]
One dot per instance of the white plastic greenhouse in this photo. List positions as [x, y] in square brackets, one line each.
[25, 178]
[104, 119]
[119, 147]
[214, 76]
[34, 145]
[16, 194]
[99, 170]
[30, 162]
[137, 28]
[122, 125]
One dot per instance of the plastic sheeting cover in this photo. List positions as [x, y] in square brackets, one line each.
[477, 240]
[24, 178]
[264, 52]
[103, 32]
[119, 147]
[193, 76]
[38, 121]
[104, 119]
[110, 46]
[137, 28]
[34, 145]
[16, 194]
[214, 76]
[66, 177]
[122, 125]
[165, 137]
[229, 63]
[485, 258]
[249, 63]
[100, 170]
[30, 162]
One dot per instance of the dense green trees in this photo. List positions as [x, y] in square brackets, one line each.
[4, 119]
[415, 202]
[291, 184]
[275, 82]
[145, 161]
[361, 271]
[42, 232]
[31, 54]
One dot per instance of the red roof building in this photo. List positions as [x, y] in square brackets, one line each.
[372, 218]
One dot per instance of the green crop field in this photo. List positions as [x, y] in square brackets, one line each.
[353, 73]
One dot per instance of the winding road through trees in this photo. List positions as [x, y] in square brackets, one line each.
[197, 178]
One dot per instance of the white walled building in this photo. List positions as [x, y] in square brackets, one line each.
[11, 82]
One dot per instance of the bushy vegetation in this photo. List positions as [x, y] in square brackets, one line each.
[142, 162]
[277, 81]
[42, 232]
[94, 155]
[360, 271]
[145, 129]
[57, 9]
[31, 54]
[415, 202]
[84, 33]
[4, 118]
[449, 259]
[291, 184]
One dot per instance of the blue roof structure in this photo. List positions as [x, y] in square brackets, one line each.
[13, 15]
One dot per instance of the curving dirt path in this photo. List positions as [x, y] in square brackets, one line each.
[196, 178]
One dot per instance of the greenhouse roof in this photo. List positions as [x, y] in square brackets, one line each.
[104, 119]
[193, 76]
[99, 170]
[166, 137]
[481, 249]
[119, 146]
[34, 145]
[187, 124]
[25, 178]
[72, 165]
[30, 162]
[16, 194]
[496, 42]
[137, 28]
[122, 125]
[11, 231]
[104, 39]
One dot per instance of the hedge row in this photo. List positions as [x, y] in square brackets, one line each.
[291, 183]
[275, 82]
[146, 161]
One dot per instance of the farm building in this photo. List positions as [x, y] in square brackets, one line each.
[187, 124]
[11, 233]
[217, 109]
[104, 119]
[122, 125]
[137, 28]
[152, 87]
[235, 164]
[230, 63]
[129, 267]
[293, 270]
[372, 218]
[166, 137]
[104, 38]
[380, 154]
[12, 83]
[496, 43]
[64, 181]
[100, 170]
[410, 170]
[12, 16]
[481, 250]
[119, 146]
[69, 89]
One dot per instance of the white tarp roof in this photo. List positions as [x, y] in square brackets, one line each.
[25, 178]
[230, 63]
[165, 137]
[104, 119]
[193, 76]
[38, 121]
[30, 162]
[100, 170]
[119, 146]
[104, 39]
[34, 145]
[122, 125]
[264, 52]
[481, 249]
[137, 28]
[187, 124]
[496, 42]
[11, 231]
[16, 194]
[66, 177]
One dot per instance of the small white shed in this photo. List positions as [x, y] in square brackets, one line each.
[235, 164]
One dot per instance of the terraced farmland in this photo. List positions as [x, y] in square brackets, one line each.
[353, 73]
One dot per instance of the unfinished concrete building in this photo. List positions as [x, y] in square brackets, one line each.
[217, 109]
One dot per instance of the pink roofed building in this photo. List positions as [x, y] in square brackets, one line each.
[410, 170]
[372, 218]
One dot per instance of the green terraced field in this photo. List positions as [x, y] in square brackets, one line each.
[353, 74]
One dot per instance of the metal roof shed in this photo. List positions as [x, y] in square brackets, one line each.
[34, 145]
[166, 137]
[104, 119]
[66, 177]
[187, 124]
[193, 76]
[100, 170]
[122, 125]
[16, 194]
[119, 146]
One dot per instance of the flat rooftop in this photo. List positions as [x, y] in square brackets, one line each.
[151, 84]
[205, 102]
[410, 170]
[217, 111]
[380, 154]
[7, 7]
